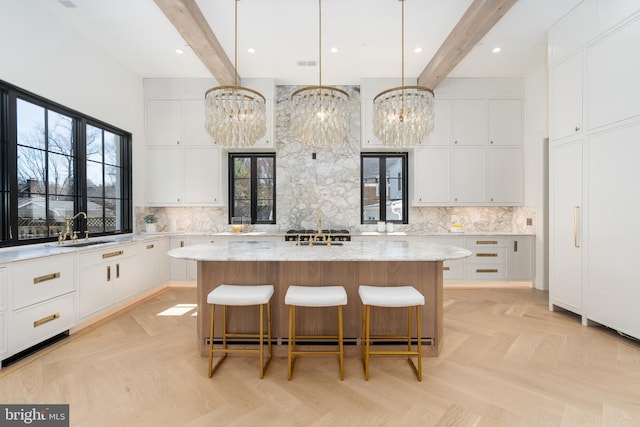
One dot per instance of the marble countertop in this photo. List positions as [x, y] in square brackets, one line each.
[290, 251]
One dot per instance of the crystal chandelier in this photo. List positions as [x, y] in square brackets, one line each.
[403, 116]
[235, 116]
[320, 114]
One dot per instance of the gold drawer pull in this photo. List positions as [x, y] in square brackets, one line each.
[446, 268]
[149, 246]
[486, 270]
[46, 320]
[112, 254]
[486, 242]
[182, 243]
[46, 277]
[486, 255]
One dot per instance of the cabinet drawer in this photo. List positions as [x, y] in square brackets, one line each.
[492, 255]
[485, 271]
[42, 279]
[38, 322]
[113, 253]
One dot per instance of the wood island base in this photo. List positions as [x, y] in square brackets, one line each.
[425, 276]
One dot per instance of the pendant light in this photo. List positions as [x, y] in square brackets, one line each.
[403, 116]
[320, 114]
[235, 116]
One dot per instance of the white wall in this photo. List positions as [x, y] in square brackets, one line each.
[53, 61]
[536, 130]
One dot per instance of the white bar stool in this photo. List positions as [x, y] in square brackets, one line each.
[240, 295]
[391, 296]
[314, 296]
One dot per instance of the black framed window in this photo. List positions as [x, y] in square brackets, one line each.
[384, 188]
[57, 162]
[252, 187]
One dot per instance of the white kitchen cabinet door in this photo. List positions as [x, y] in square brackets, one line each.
[611, 262]
[431, 176]
[505, 122]
[125, 278]
[164, 176]
[3, 313]
[565, 103]
[202, 176]
[153, 269]
[612, 71]
[565, 226]
[95, 291]
[178, 267]
[469, 118]
[441, 133]
[505, 176]
[192, 123]
[467, 175]
[163, 122]
[521, 257]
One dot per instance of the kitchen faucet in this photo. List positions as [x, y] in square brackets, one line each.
[67, 232]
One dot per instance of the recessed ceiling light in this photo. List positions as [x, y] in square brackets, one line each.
[179, 51]
[334, 50]
[418, 49]
[251, 50]
[496, 49]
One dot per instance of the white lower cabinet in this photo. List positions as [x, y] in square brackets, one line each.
[151, 264]
[3, 313]
[178, 267]
[38, 322]
[106, 277]
[493, 258]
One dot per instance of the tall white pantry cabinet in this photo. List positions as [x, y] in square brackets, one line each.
[594, 122]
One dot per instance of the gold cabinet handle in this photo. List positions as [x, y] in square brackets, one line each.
[108, 273]
[446, 268]
[46, 320]
[112, 254]
[486, 270]
[515, 246]
[150, 246]
[486, 242]
[117, 271]
[486, 255]
[46, 277]
[182, 243]
[575, 227]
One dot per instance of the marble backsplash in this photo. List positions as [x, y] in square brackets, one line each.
[321, 180]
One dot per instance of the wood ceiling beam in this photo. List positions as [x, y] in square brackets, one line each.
[186, 16]
[479, 18]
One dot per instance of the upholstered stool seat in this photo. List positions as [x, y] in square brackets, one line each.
[314, 296]
[240, 295]
[391, 296]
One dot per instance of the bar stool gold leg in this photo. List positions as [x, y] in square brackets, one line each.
[261, 343]
[211, 341]
[291, 340]
[367, 341]
[409, 331]
[340, 345]
[419, 343]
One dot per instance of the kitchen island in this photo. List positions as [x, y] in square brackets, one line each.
[347, 264]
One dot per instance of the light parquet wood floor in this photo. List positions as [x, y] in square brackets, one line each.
[507, 361]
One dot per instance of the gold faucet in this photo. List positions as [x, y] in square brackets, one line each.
[67, 231]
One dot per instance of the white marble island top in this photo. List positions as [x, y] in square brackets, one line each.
[347, 251]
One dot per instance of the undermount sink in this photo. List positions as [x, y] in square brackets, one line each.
[83, 244]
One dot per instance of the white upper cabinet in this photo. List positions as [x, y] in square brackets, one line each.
[164, 122]
[613, 70]
[469, 118]
[431, 172]
[565, 103]
[192, 124]
[505, 122]
[441, 133]
[202, 182]
[468, 176]
[505, 179]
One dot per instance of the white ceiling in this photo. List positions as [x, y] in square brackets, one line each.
[283, 32]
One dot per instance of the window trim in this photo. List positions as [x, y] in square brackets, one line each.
[254, 187]
[382, 189]
[8, 163]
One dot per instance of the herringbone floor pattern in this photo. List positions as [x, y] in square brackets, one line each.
[507, 361]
